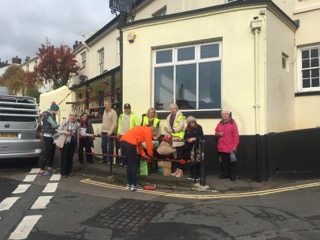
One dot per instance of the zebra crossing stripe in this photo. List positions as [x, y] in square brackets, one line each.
[55, 177]
[51, 187]
[29, 178]
[35, 170]
[7, 203]
[25, 227]
[21, 188]
[41, 202]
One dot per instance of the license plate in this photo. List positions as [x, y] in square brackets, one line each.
[8, 135]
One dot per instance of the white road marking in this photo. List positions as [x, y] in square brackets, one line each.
[29, 178]
[55, 177]
[7, 203]
[41, 202]
[21, 188]
[25, 227]
[51, 187]
[35, 170]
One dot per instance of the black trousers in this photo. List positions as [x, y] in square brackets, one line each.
[84, 143]
[67, 153]
[49, 151]
[129, 152]
[228, 168]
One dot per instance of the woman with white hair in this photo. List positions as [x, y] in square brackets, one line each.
[193, 135]
[70, 129]
[175, 129]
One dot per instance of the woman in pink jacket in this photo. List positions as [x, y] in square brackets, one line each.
[228, 140]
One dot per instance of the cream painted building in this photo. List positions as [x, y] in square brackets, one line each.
[258, 58]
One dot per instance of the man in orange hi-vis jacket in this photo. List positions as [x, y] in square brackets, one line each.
[132, 141]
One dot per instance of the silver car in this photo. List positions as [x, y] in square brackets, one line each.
[20, 132]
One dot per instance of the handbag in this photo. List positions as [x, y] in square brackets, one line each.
[59, 142]
[233, 157]
[144, 168]
[165, 148]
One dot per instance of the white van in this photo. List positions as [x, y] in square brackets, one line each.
[20, 132]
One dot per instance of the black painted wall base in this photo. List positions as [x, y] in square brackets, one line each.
[261, 157]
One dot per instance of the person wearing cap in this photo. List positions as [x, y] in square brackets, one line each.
[49, 126]
[70, 130]
[127, 120]
[109, 127]
[175, 129]
[193, 135]
[132, 141]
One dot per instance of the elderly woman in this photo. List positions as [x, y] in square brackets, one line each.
[193, 135]
[175, 122]
[69, 131]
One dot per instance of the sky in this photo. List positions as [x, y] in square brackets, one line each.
[25, 25]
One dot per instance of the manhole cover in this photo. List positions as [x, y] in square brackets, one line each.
[126, 215]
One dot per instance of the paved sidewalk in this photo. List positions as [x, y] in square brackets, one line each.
[101, 172]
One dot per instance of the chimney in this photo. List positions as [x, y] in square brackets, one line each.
[16, 60]
[27, 59]
[75, 45]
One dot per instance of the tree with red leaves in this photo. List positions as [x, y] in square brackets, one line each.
[56, 64]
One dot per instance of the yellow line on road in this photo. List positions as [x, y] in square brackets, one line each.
[208, 195]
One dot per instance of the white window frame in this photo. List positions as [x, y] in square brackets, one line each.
[101, 60]
[161, 12]
[175, 62]
[300, 69]
[83, 59]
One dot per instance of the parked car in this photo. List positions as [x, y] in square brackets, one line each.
[20, 131]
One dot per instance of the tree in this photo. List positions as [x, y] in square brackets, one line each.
[33, 92]
[13, 79]
[18, 81]
[56, 64]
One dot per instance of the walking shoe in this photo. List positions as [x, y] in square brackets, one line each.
[45, 173]
[108, 163]
[136, 187]
[128, 186]
[71, 174]
[190, 178]
[101, 161]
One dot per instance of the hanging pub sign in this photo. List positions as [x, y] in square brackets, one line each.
[121, 6]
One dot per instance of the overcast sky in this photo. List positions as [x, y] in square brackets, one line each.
[24, 25]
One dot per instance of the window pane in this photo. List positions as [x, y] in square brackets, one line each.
[210, 85]
[305, 54]
[186, 77]
[315, 82]
[315, 73]
[305, 73]
[315, 62]
[306, 83]
[314, 53]
[163, 87]
[186, 54]
[209, 51]
[305, 63]
[164, 56]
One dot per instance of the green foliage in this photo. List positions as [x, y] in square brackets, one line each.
[56, 64]
[33, 92]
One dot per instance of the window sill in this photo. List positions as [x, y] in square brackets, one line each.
[214, 114]
[300, 94]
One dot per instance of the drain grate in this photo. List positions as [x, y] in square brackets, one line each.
[126, 215]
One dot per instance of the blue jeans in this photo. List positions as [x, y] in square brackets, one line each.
[107, 147]
[129, 152]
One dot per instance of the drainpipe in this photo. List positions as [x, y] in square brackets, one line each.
[255, 28]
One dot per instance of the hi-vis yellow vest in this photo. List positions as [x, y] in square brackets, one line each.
[176, 124]
[146, 121]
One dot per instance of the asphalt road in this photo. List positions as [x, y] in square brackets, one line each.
[77, 208]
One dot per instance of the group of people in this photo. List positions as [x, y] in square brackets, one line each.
[135, 136]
